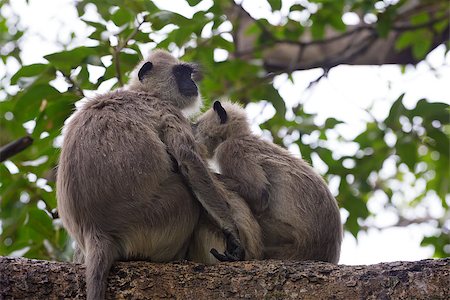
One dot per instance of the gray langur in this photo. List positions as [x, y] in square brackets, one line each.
[118, 195]
[299, 217]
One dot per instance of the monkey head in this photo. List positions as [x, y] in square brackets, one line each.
[169, 79]
[223, 121]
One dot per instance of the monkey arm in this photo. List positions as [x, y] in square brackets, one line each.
[244, 176]
[207, 189]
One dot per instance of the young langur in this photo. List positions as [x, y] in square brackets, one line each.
[298, 215]
[118, 195]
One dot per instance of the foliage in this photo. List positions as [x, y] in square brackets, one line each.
[414, 139]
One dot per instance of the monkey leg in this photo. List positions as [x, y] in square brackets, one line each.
[161, 222]
[206, 236]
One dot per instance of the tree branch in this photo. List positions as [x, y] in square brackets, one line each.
[15, 147]
[359, 45]
[22, 278]
[402, 222]
[119, 47]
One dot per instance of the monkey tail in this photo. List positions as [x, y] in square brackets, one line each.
[100, 255]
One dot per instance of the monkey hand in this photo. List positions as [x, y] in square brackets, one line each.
[234, 251]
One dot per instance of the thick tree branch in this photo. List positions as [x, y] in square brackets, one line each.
[15, 147]
[427, 279]
[359, 45]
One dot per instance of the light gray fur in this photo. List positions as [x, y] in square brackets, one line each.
[207, 235]
[298, 215]
[118, 196]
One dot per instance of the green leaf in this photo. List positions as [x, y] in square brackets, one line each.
[99, 29]
[129, 60]
[440, 242]
[162, 18]
[431, 111]
[440, 140]
[439, 27]
[422, 44]
[253, 30]
[407, 151]
[318, 30]
[28, 102]
[40, 223]
[29, 71]
[275, 4]
[331, 123]
[396, 111]
[384, 23]
[54, 115]
[122, 16]
[355, 206]
[296, 7]
[405, 40]
[420, 18]
[193, 2]
[337, 23]
[66, 60]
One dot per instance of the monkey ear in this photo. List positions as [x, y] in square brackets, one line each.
[144, 69]
[218, 108]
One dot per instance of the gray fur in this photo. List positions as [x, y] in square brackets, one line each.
[208, 236]
[298, 215]
[117, 194]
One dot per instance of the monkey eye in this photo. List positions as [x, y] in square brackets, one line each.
[189, 70]
[183, 69]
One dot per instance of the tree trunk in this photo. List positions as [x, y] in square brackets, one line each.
[36, 279]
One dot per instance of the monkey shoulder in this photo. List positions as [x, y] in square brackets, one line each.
[124, 98]
[239, 149]
[131, 107]
[268, 155]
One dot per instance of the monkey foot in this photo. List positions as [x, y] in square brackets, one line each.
[223, 257]
[234, 251]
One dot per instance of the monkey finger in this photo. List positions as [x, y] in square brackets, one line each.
[232, 257]
[218, 256]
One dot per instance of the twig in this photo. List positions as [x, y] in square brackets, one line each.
[120, 45]
[402, 222]
[15, 147]
[117, 67]
[316, 81]
[79, 90]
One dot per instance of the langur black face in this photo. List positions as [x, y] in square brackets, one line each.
[184, 78]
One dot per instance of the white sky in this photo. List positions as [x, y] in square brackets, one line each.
[344, 95]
